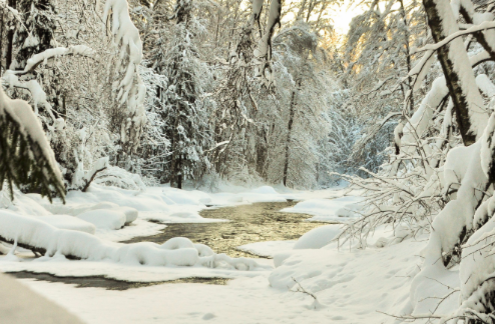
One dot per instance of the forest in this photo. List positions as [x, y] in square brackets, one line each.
[325, 160]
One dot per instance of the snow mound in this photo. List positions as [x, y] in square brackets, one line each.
[69, 223]
[104, 218]
[265, 190]
[262, 194]
[267, 249]
[318, 237]
[328, 210]
[180, 197]
[130, 213]
[178, 243]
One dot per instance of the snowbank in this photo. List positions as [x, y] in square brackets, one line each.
[104, 218]
[35, 233]
[267, 249]
[353, 284]
[318, 237]
[328, 210]
[69, 223]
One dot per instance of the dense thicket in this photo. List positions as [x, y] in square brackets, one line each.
[430, 66]
[234, 90]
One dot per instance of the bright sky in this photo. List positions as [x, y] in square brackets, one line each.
[343, 17]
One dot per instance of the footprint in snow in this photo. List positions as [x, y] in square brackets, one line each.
[208, 316]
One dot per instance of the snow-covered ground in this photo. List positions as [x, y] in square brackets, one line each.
[351, 286]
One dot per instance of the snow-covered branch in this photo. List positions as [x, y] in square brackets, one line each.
[486, 25]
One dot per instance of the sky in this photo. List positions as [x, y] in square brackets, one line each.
[342, 18]
[340, 15]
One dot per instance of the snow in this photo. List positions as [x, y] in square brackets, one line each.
[119, 214]
[336, 277]
[131, 90]
[488, 148]
[485, 85]
[418, 123]
[37, 93]
[258, 294]
[318, 237]
[36, 59]
[263, 49]
[33, 232]
[326, 210]
[269, 248]
[257, 7]
[20, 305]
[461, 65]
[457, 217]
[105, 219]
[262, 194]
[69, 223]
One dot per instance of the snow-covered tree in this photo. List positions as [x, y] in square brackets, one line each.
[439, 180]
[303, 120]
[378, 57]
[26, 158]
[184, 108]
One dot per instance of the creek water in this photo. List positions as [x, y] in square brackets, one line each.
[256, 222]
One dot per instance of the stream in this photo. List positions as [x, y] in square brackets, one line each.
[252, 223]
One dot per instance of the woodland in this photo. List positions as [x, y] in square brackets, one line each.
[114, 109]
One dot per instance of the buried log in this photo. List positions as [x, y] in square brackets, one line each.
[35, 250]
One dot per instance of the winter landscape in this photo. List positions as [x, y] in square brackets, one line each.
[247, 161]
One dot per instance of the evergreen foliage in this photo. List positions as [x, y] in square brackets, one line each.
[183, 108]
[25, 157]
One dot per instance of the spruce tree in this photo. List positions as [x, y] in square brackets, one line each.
[26, 158]
[184, 115]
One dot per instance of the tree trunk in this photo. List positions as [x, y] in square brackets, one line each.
[459, 76]
[408, 55]
[292, 108]
[10, 39]
[485, 39]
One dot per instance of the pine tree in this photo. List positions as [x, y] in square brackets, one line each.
[186, 121]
